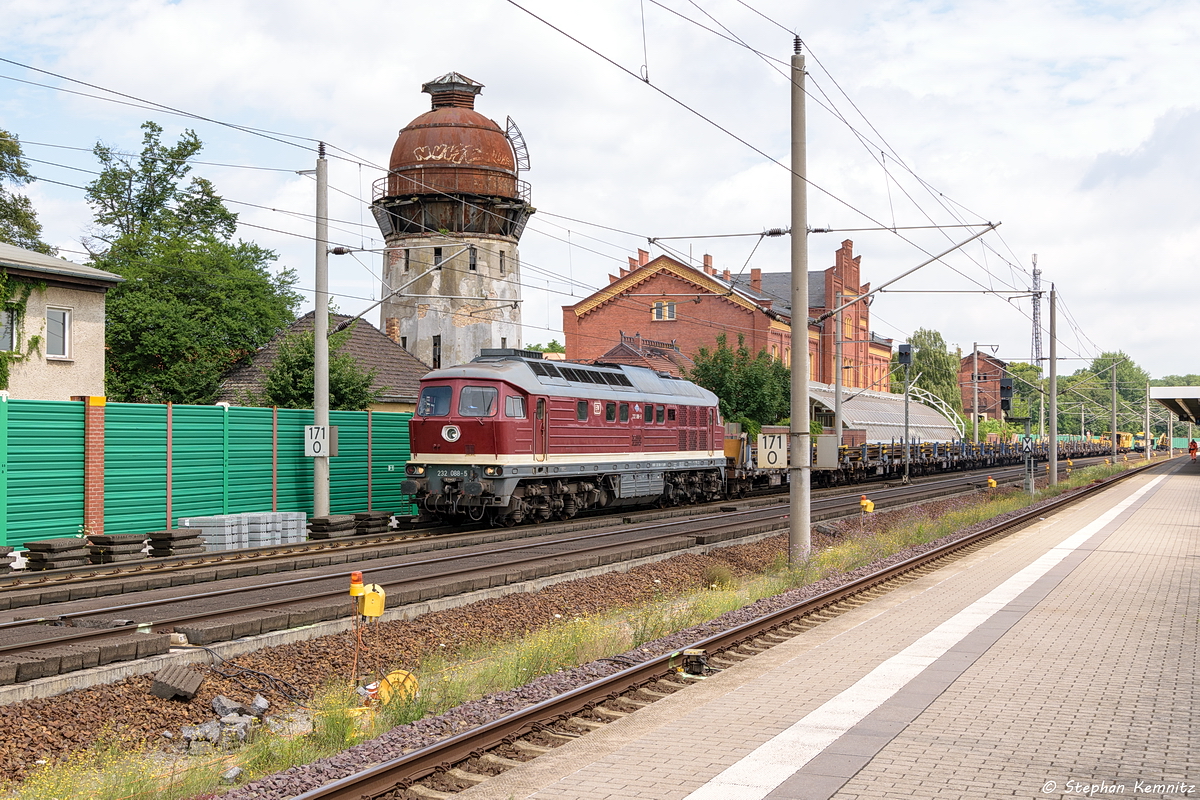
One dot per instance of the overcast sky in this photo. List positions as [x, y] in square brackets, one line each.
[1075, 124]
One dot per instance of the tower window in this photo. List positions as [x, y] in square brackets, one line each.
[437, 256]
[404, 259]
[501, 262]
[472, 260]
[404, 342]
[503, 342]
[436, 358]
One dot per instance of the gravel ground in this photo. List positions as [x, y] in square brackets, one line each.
[52, 728]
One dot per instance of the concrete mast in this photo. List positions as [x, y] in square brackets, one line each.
[800, 463]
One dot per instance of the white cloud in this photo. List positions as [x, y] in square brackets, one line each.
[1073, 122]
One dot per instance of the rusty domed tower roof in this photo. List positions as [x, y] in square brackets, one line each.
[453, 148]
[454, 170]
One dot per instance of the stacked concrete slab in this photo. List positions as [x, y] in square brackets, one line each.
[111, 548]
[176, 542]
[44, 554]
[330, 527]
[372, 522]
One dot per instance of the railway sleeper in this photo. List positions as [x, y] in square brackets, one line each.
[530, 747]
[469, 777]
[585, 723]
[610, 713]
[500, 761]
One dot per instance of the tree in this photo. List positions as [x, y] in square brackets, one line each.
[754, 389]
[289, 380]
[1088, 391]
[1027, 390]
[1177, 380]
[553, 347]
[934, 368]
[193, 303]
[18, 221]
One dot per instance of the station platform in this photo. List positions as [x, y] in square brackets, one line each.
[1059, 661]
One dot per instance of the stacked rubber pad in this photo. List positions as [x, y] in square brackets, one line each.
[111, 548]
[175, 542]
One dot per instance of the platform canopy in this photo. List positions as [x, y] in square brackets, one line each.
[1183, 401]
[881, 415]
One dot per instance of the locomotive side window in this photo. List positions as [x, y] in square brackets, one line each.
[649, 413]
[477, 401]
[610, 411]
[671, 414]
[581, 411]
[435, 401]
[658, 414]
[624, 412]
[514, 406]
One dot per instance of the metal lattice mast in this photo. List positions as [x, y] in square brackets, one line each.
[1036, 354]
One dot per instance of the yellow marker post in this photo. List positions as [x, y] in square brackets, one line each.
[991, 482]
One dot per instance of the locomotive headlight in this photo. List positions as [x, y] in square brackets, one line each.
[414, 469]
[493, 471]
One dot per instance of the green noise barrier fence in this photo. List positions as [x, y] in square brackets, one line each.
[132, 468]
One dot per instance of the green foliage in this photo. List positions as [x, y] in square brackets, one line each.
[1089, 390]
[18, 221]
[1177, 380]
[14, 297]
[289, 380]
[193, 303]
[934, 368]
[755, 388]
[553, 347]
[1027, 390]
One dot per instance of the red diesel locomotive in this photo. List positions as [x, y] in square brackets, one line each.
[511, 438]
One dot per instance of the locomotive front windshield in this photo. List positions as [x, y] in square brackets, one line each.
[434, 402]
[477, 401]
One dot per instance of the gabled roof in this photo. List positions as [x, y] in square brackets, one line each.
[659, 359]
[397, 371]
[22, 260]
[707, 284]
[777, 287]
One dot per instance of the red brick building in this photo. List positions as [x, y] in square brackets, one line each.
[991, 370]
[685, 308]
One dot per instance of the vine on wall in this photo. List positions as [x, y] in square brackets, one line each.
[14, 297]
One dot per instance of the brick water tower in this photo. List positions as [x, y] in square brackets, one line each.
[452, 209]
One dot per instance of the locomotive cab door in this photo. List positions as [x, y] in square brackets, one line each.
[541, 430]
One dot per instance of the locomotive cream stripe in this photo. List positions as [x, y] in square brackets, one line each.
[559, 459]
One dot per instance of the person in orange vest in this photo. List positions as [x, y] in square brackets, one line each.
[1192, 449]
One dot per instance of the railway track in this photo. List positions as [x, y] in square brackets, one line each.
[20, 588]
[116, 630]
[469, 758]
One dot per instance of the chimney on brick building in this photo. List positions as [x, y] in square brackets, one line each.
[633, 264]
[392, 329]
[726, 276]
[708, 267]
[643, 257]
[756, 279]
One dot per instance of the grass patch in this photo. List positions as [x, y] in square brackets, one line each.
[121, 770]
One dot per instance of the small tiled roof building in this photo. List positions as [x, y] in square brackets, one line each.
[397, 371]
